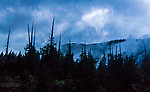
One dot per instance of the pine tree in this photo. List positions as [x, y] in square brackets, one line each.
[59, 52]
[50, 55]
[31, 54]
[92, 62]
[69, 63]
[102, 65]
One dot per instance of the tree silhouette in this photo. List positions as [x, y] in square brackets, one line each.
[53, 71]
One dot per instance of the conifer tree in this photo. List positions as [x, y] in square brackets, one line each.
[50, 55]
[102, 64]
[69, 63]
[59, 52]
[91, 63]
[31, 55]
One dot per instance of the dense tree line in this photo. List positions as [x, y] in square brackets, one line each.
[48, 70]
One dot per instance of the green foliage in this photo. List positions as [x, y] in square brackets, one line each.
[60, 82]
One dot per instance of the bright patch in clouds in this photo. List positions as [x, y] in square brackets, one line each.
[61, 27]
[105, 33]
[147, 1]
[97, 18]
[42, 15]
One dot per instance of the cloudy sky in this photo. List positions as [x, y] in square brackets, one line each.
[93, 20]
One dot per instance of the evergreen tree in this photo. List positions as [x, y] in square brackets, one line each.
[31, 59]
[102, 65]
[69, 63]
[83, 64]
[50, 56]
[92, 63]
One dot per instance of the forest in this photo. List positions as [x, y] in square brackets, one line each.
[49, 70]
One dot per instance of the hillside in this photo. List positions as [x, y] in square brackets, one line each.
[128, 46]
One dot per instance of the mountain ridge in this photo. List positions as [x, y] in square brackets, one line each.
[127, 46]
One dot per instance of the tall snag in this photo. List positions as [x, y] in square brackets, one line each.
[34, 38]
[31, 36]
[51, 39]
[59, 45]
[32, 33]
[7, 42]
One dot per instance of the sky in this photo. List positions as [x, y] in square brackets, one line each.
[90, 21]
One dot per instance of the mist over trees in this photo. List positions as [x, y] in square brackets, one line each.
[49, 70]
